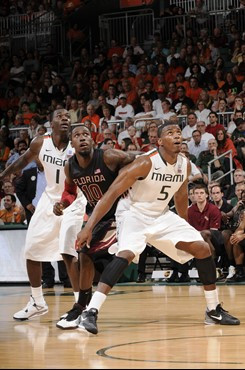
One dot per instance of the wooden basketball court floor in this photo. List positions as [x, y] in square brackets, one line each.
[140, 327]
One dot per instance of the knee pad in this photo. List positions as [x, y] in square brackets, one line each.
[113, 271]
[206, 270]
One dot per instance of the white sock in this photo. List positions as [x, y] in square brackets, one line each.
[76, 295]
[211, 299]
[37, 294]
[97, 300]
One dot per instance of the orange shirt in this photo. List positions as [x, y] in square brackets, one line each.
[106, 84]
[184, 83]
[132, 97]
[95, 118]
[146, 77]
[4, 154]
[27, 117]
[11, 216]
[193, 93]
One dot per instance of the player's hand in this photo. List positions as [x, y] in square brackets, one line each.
[83, 238]
[30, 207]
[58, 209]
[236, 238]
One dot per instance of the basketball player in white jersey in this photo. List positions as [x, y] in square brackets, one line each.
[49, 238]
[153, 179]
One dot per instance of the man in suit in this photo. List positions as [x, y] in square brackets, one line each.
[29, 188]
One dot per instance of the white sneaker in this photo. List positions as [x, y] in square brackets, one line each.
[232, 271]
[31, 310]
[72, 320]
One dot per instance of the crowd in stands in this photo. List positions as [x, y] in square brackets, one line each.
[122, 93]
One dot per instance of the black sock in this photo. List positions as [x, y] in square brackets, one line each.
[84, 297]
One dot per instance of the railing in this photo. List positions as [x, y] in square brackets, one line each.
[122, 25]
[139, 127]
[225, 174]
[220, 18]
[119, 123]
[33, 32]
[210, 4]
[22, 24]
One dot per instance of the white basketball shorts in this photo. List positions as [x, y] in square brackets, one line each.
[135, 230]
[49, 235]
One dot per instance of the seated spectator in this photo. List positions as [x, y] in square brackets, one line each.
[153, 140]
[131, 94]
[206, 218]
[10, 213]
[217, 167]
[123, 110]
[106, 133]
[225, 144]
[237, 242]
[166, 112]
[213, 125]
[102, 103]
[34, 126]
[111, 79]
[112, 98]
[239, 188]
[4, 153]
[74, 111]
[202, 112]
[137, 141]
[190, 127]
[197, 145]
[195, 176]
[219, 201]
[193, 91]
[106, 117]
[205, 135]
[108, 143]
[8, 188]
[92, 127]
[92, 116]
[239, 178]
[148, 112]
[181, 99]
[114, 49]
[231, 85]
[238, 138]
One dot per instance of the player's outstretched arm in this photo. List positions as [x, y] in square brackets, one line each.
[126, 178]
[31, 154]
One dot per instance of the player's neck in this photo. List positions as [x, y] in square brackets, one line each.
[168, 157]
[60, 140]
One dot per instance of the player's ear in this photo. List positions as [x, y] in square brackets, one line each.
[159, 141]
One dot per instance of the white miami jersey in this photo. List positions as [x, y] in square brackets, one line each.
[151, 196]
[53, 161]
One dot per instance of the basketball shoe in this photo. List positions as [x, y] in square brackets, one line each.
[88, 320]
[72, 319]
[31, 310]
[220, 316]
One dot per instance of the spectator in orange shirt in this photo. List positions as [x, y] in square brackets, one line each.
[194, 90]
[143, 75]
[112, 80]
[181, 81]
[114, 49]
[173, 70]
[158, 80]
[11, 213]
[26, 113]
[132, 96]
[92, 116]
[127, 76]
[4, 153]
